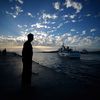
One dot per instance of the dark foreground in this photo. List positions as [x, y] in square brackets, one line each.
[46, 83]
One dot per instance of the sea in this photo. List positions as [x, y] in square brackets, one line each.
[86, 69]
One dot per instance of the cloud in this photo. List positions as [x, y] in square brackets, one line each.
[92, 30]
[56, 5]
[68, 17]
[39, 25]
[72, 16]
[83, 32]
[30, 14]
[22, 26]
[65, 16]
[72, 30]
[49, 16]
[76, 5]
[73, 21]
[43, 38]
[88, 15]
[60, 25]
[16, 12]
[20, 1]
[7, 41]
[19, 26]
[86, 41]
[53, 22]
[12, 14]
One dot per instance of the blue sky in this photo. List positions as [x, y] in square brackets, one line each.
[74, 22]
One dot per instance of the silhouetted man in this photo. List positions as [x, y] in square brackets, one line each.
[27, 54]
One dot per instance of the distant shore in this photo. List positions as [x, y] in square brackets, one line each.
[88, 52]
[47, 49]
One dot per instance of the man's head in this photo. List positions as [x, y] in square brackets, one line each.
[30, 37]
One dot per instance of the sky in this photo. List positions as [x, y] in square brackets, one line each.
[53, 22]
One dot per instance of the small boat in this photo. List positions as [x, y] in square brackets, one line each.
[69, 53]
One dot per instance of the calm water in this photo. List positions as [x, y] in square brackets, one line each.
[86, 69]
[53, 60]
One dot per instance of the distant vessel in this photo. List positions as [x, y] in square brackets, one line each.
[84, 51]
[69, 53]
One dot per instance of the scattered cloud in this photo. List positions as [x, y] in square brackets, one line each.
[76, 5]
[88, 15]
[72, 16]
[56, 5]
[83, 32]
[43, 38]
[13, 15]
[73, 21]
[92, 30]
[20, 1]
[22, 27]
[46, 16]
[61, 24]
[30, 14]
[66, 22]
[19, 26]
[53, 22]
[72, 30]
[39, 25]
[48, 21]
[16, 12]
[86, 41]
[65, 16]
[69, 17]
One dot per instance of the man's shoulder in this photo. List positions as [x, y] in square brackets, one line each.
[27, 44]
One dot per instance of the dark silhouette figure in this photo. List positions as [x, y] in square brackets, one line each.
[27, 54]
[4, 52]
[0, 52]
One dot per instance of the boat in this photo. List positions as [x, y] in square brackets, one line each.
[69, 53]
[84, 51]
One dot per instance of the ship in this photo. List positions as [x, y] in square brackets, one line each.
[68, 53]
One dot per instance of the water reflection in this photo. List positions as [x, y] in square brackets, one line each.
[83, 69]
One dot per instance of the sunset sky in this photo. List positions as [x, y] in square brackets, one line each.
[74, 22]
